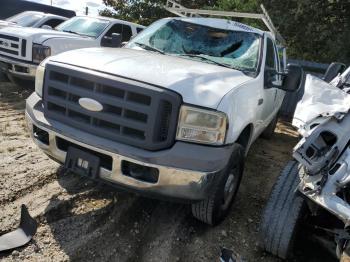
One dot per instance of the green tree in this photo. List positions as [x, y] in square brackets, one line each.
[139, 11]
[314, 30]
[146, 11]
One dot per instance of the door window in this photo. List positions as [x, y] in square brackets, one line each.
[271, 55]
[123, 30]
[115, 29]
[53, 22]
[127, 33]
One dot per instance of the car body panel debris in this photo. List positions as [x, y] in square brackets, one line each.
[22, 235]
[320, 99]
[315, 187]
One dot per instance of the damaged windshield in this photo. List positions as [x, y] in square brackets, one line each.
[233, 49]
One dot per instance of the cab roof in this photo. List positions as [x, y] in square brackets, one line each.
[111, 19]
[224, 24]
[39, 13]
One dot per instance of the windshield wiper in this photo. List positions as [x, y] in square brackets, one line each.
[208, 59]
[149, 48]
[72, 32]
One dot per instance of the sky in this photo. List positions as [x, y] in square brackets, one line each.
[76, 5]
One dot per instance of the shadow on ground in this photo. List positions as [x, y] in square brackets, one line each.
[13, 96]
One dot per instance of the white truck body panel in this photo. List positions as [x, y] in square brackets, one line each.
[116, 101]
[4, 23]
[192, 79]
[12, 40]
[38, 36]
[56, 40]
[243, 98]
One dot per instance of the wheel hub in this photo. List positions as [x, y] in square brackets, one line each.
[229, 190]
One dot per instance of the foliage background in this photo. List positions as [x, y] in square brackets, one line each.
[315, 30]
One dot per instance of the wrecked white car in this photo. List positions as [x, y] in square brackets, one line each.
[313, 189]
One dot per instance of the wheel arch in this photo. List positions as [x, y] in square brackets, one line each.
[245, 137]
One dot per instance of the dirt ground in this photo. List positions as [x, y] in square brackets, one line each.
[85, 221]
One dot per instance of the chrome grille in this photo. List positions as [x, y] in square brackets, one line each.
[13, 46]
[133, 113]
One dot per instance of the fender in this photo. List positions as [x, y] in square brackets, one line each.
[242, 109]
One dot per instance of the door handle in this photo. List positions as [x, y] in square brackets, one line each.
[260, 101]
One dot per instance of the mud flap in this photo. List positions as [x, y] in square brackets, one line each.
[22, 235]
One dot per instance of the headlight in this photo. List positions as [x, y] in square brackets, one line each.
[39, 78]
[40, 52]
[202, 126]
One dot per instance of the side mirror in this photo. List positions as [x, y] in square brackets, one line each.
[292, 78]
[46, 27]
[116, 40]
[333, 70]
[271, 79]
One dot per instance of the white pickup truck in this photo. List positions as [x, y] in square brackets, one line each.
[172, 114]
[22, 49]
[33, 19]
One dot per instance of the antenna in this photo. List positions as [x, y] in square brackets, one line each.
[182, 11]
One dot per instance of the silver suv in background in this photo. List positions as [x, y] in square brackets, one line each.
[33, 19]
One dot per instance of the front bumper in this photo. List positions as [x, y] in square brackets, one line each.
[17, 68]
[186, 171]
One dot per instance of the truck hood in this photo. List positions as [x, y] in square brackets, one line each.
[4, 23]
[199, 83]
[37, 35]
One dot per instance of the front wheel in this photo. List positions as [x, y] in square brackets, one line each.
[283, 213]
[215, 208]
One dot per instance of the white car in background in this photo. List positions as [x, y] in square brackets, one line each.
[22, 50]
[33, 19]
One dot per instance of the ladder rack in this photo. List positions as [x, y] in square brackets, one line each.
[182, 11]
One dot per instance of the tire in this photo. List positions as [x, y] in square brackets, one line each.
[215, 208]
[270, 129]
[283, 213]
[3, 77]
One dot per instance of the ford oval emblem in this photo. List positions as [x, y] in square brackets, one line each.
[90, 104]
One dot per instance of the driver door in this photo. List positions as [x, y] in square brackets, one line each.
[124, 30]
[270, 92]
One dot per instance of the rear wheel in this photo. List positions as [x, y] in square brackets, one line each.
[283, 213]
[215, 208]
